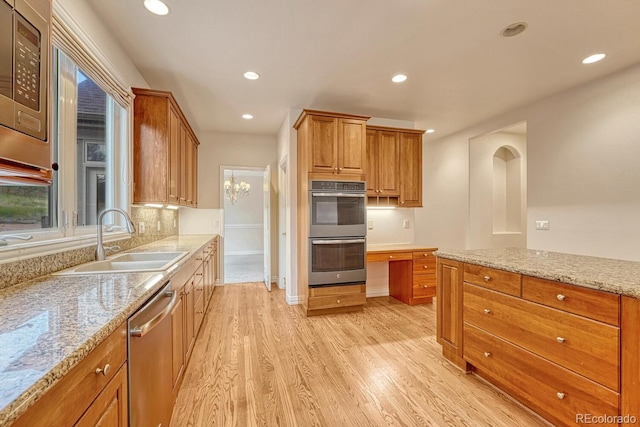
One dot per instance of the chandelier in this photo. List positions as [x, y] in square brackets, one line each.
[234, 190]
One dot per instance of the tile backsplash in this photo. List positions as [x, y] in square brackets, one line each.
[158, 224]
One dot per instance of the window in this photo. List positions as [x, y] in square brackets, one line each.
[88, 140]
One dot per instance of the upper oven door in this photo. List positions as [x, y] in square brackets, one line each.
[337, 214]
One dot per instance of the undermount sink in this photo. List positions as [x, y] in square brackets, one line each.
[128, 263]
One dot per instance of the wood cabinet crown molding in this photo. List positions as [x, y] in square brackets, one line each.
[306, 113]
[392, 129]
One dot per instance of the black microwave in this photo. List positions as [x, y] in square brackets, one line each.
[24, 82]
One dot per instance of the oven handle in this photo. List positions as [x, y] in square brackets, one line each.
[337, 242]
[338, 195]
[147, 327]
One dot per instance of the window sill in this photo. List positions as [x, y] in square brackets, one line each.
[19, 251]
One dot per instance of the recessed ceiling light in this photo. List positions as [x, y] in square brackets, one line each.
[430, 130]
[251, 75]
[247, 116]
[156, 6]
[399, 78]
[593, 58]
[514, 29]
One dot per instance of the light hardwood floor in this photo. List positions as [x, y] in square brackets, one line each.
[261, 362]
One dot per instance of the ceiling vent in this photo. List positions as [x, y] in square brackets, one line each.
[514, 29]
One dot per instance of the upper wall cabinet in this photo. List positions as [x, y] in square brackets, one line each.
[333, 144]
[165, 151]
[394, 167]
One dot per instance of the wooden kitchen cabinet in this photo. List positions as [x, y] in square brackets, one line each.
[394, 166]
[332, 145]
[177, 342]
[94, 392]
[411, 169]
[383, 163]
[449, 310]
[557, 348]
[165, 151]
[336, 299]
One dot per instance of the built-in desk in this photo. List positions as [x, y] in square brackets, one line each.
[412, 271]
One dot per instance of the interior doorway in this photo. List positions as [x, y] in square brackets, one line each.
[246, 250]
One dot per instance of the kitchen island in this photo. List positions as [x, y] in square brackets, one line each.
[558, 332]
[52, 323]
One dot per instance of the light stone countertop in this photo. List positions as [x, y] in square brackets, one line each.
[612, 275]
[49, 324]
[397, 247]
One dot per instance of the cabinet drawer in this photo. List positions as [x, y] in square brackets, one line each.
[389, 256]
[336, 290]
[591, 303]
[556, 393]
[71, 396]
[585, 346]
[424, 289]
[499, 280]
[424, 265]
[423, 255]
[424, 280]
[333, 301]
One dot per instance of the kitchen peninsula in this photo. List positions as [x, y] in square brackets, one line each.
[558, 332]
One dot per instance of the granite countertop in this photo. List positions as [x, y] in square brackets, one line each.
[612, 275]
[51, 323]
[397, 247]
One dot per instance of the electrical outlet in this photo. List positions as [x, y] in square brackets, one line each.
[542, 225]
[370, 225]
[406, 223]
[141, 229]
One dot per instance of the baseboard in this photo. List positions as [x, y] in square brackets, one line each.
[294, 300]
[377, 293]
[252, 252]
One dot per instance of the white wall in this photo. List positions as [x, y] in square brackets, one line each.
[201, 221]
[388, 226]
[582, 176]
[484, 206]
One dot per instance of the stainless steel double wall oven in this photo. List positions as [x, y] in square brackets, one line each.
[337, 233]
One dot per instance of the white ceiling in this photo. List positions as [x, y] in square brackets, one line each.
[340, 55]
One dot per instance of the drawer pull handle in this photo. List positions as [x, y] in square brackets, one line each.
[425, 266]
[487, 354]
[104, 371]
[390, 256]
[487, 278]
[560, 395]
[338, 301]
[560, 297]
[560, 339]
[487, 311]
[426, 254]
[425, 286]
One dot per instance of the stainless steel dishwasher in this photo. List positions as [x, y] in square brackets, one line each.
[150, 400]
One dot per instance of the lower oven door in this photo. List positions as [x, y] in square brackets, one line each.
[337, 261]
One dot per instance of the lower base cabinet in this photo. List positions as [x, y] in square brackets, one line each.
[336, 299]
[93, 393]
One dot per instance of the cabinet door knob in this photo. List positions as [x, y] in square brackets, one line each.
[487, 311]
[560, 339]
[487, 354]
[390, 256]
[560, 297]
[425, 286]
[104, 371]
[560, 395]
[487, 278]
[427, 254]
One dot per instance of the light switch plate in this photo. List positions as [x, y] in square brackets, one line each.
[406, 223]
[370, 225]
[542, 225]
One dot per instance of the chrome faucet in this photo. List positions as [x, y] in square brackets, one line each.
[100, 250]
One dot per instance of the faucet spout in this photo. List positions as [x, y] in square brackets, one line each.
[100, 253]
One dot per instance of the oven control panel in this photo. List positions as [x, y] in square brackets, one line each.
[359, 186]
